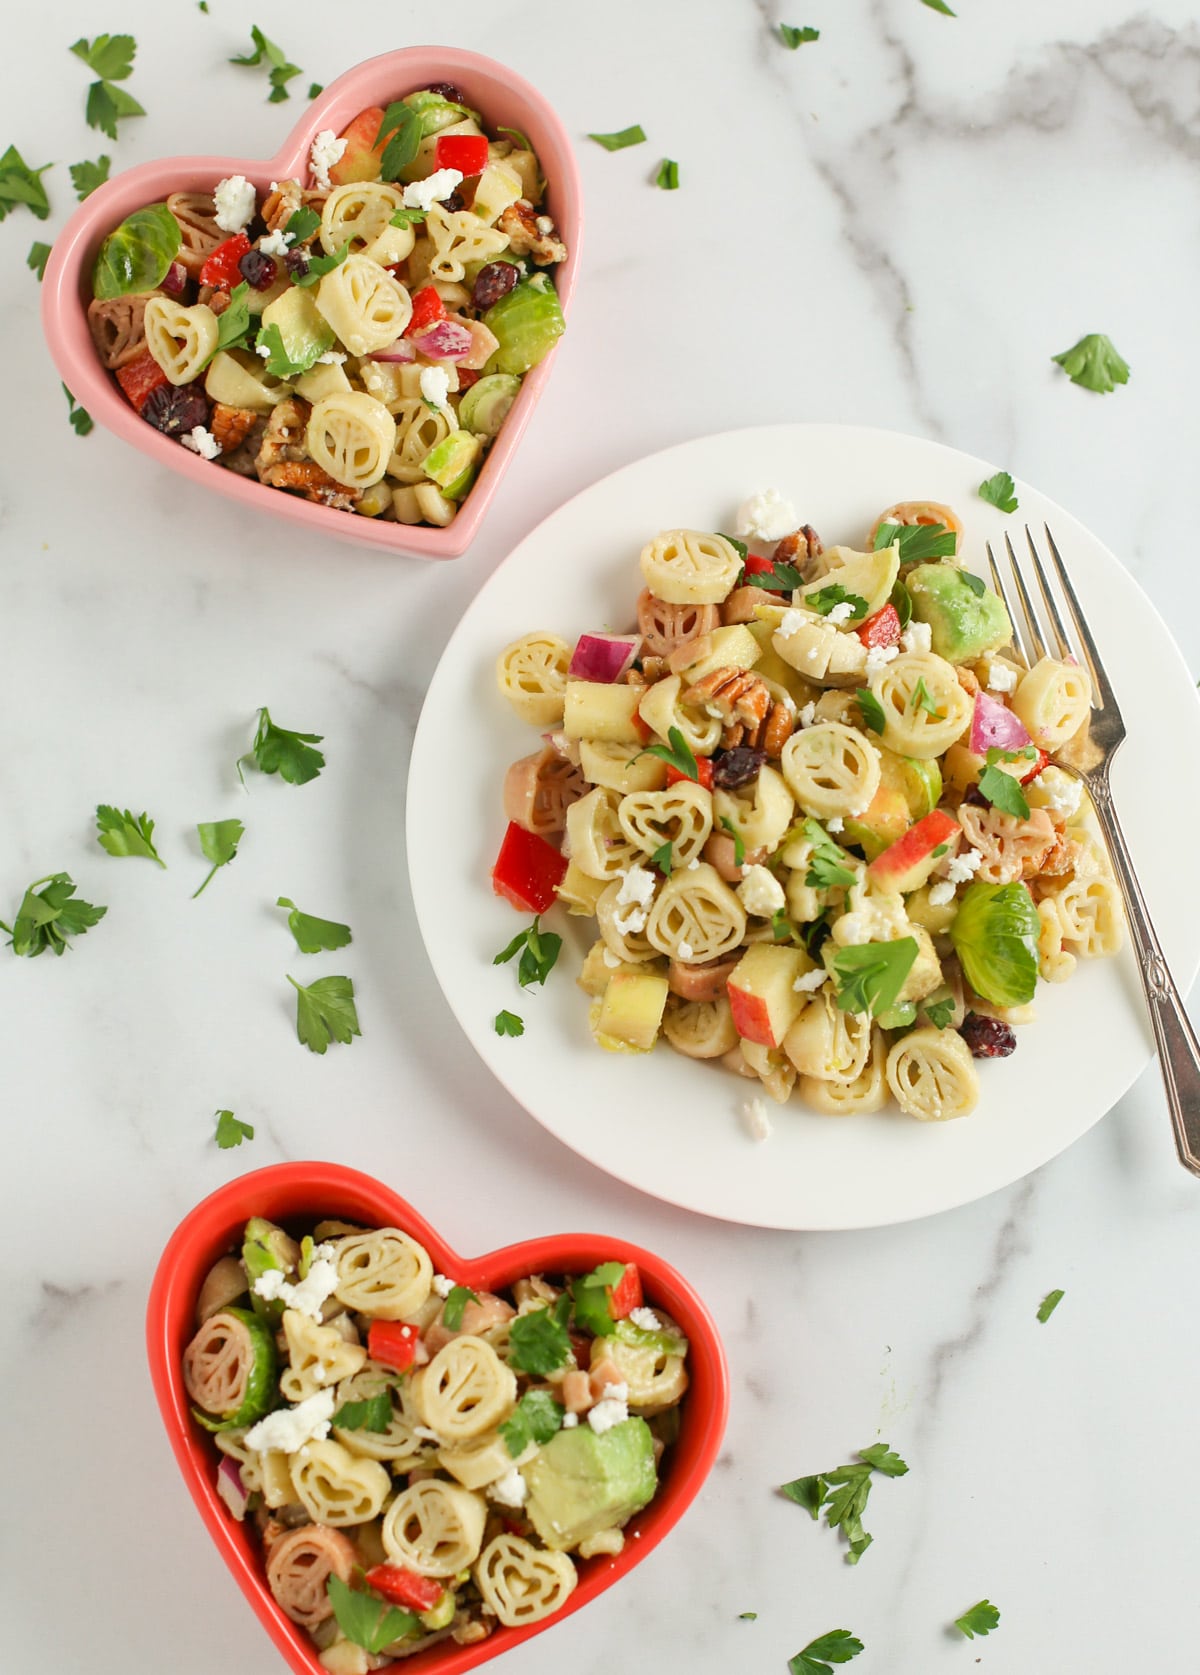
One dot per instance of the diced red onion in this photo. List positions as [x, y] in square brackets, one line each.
[995, 727]
[603, 657]
[446, 340]
[401, 353]
[175, 279]
[231, 1488]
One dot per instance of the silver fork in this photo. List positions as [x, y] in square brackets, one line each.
[1178, 1049]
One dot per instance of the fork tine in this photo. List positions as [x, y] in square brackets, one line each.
[1013, 616]
[1035, 627]
[1065, 647]
[1101, 688]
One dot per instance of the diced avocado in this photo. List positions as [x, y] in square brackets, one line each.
[484, 407]
[303, 333]
[964, 624]
[453, 455]
[581, 1482]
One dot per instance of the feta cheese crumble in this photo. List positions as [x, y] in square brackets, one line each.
[646, 1319]
[1063, 794]
[1000, 678]
[835, 823]
[327, 150]
[941, 893]
[509, 1490]
[331, 357]
[809, 981]
[201, 442]
[234, 202]
[960, 869]
[684, 951]
[611, 960]
[841, 612]
[808, 714]
[766, 516]
[760, 892]
[264, 350]
[442, 1285]
[435, 386]
[275, 244]
[434, 189]
[570, 1420]
[758, 1123]
[878, 658]
[918, 636]
[636, 894]
[791, 622]
[288, 1429]
[308, 1294]
[612, 1408]
[854, 929]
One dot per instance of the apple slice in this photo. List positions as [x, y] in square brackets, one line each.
[362, 158]
[761, 993]
[907, 864]
[630, 1012]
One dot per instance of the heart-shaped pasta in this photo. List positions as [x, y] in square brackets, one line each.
[466, 1389]
[924, 707]
[383, 1273]
[665, 626]
[356, 214]
[181, 340]
[1053, 700]
[398, 1440]
[828, 1044]
[698, 908]
[351, 436]
[932, 1075]
[218, 1362]
[700, 1029]
[831, 769]
[624, 944]
[299, 1568]
[595, 841]
[318, 1356]
[681, 816]
[337, 1488]
[532, 675]
[522, 1584]
[1012, 847]
[434, 1528]
[690, 567]
[661, 710]
[760, 813]
[866, 1093]
[459, 237]
[366, 307]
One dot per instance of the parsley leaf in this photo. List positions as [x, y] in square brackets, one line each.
[808, 1492]
[536, 1418]
[79, 418]
[315, 267]
[39, 255]
[939, 6]
[539, 950]
[917, 541]
[85, 177]
[668, 175]
[233, 325]
[844, 1506]
[276, 750]
[976, 583]
[882, 1458]
[871, 974]
[507, 1023]
[739, 846]
[663, 858]
[792, 37]
[1003, 791]
[405, 217]
[980, 1619]
[739, 547]
[921, 700]
[111, 56]
[538, 1341]
[315, 88]
[677, 754]
[782, 928]
[1000, 491]
[871, 710]
[19, 184]
[1047, 1305]
[901, 602]
[230, 1131]
[827, 867]
[366, 1619]
[302, 224]
[374, 1413]
[456, 1305]
[838, 1646]
[219, 841]
[825, 599]
[46, 918]
[403, 125]
[324, 1011]
[780, 578]
[939, 1012]
[122, 833]
[281, 71]
[1094, 364]
[623, 137]
[313, 935]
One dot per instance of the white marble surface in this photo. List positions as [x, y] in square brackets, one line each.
[897, 225]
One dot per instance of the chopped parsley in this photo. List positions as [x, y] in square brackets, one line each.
[19, 184]
[281, 72]
[313, 935]
[374, 1413]
[664, 858]
[302, 224]
[325, 1011]
[780, 578]
[111, 57]
[793, 37]
[838, 1646]
[845, 1502]
[47, 918]
[508, 1023]
[939, 6]
[677, 754]
[668, 175]
[39, 255]
[79, 418]
[1048, 1304]
[901, 602]
[539, 950]
[367, 1620]
[538, 1342]
[939, 1012]
[1094, 364]
[230, 1131]
[739, 846]
[122, 833]
[1000, 491]
[1001, 789]
[536, 1418]
[827, 867]
[917, 541]
[870, 975]
[871, 710]
[85, 177]
[400, 134]
[219, 841]
[980, 1619]
[921, 700]
[315, 88]
[276, 750]
[455, 1306]
[233, 325]
[747, 1616]
[826, 598]
[975, 583]
[634, 135]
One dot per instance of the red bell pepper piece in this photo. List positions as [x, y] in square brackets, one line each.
[427, 307]
[704, 768]
[1035, 767]
[880, 630]
[756, 566]
[404, 1587]
[626, 1295]
[468, 153]
[221, 268]
[392, 1344]
[140, 377]
[528, 870]
[468, 376]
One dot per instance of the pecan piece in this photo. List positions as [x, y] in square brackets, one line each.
[531, 234]
[736, 694]
[231, 425]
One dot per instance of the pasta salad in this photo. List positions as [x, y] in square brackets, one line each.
[358, 337]
[422, 1462]
[809, 802]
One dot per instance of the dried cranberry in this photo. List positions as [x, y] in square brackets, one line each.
[174, 281]
[175, 409]
[988, 1038]
[975, 797]
[492, 282]
[258, 270]
[737, 767]
[454, 203]
[296, 262]
[446, 90]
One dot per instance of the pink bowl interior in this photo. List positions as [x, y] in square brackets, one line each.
[300, 1193]
[505, 99]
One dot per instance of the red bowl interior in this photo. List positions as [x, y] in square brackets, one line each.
[307, 1192]
[505, 99]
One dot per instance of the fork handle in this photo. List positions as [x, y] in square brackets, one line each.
[1178, 1048]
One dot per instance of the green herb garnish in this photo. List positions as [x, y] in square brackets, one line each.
[901, 601]
[402, 130]
[536, 1418]
[1000, 491]
[1094, 364]
[793, 37]
[374, 1413]
[405, 217]
[622, 138]
[366, 1619]
[1048, 1305]
[219, 841]
[39, 255]
[739, 847]
[921, 700]
[325, 1011]
[870, 975]
[46, 918]
[19, 184]
[1003, 790]
[939, 6]
[780, 578]
[939, 1012]
[826, 598]
[845, 1503]
[85, 177]
[871, 710]
[233, 325]
[677, 754]
[315, 88]
[538, 948]
[302, 224]
[281, 71]
[838, 1646]
[827, 867]
[122, 833]
[508, 1023]
[917, 541]
[230, 1131]
[313, 935]
[538, 1342]
[79, 418]
[317, 267]
[668, 175]
[111, 56]
[980, 1619]
[276, 750]
[664, 858]
[455, 1306]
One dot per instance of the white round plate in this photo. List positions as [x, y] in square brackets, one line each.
[672, 1126]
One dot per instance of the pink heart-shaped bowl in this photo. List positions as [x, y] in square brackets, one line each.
[505, 99]
[303, 1193]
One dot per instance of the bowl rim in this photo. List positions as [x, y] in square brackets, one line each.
[291, 1191]
[65, 285]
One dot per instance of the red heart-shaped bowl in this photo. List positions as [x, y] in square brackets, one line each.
[505, 100]
[309, 1192]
